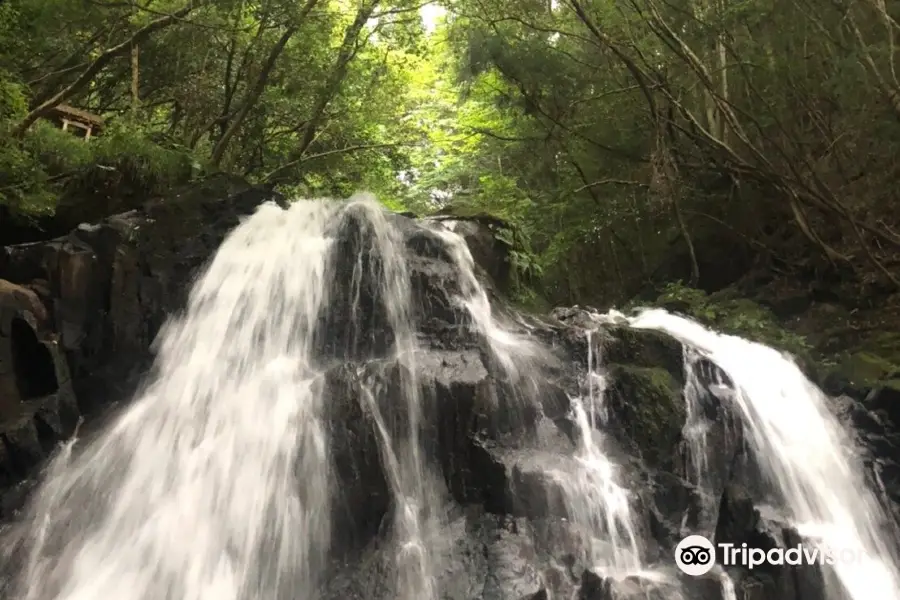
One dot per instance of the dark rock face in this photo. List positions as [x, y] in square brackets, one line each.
[37, 403]
[78, 316]
[109, 287]
[873, 416]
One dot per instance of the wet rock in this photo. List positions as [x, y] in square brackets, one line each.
[596, 587]
[742, 521]
[670, 502]
[646, 411]
[643, 348]
[488, 250]
[111, 285]
[886, 399]
[511, 558]
[872, 419]
[523, 481]
[458, 389]
[37, 403]
[361, 495]
[454, 398]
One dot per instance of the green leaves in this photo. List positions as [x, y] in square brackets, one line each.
[553, 116]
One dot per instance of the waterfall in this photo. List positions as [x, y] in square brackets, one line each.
[191, 493]
[805, 452]
[309, 347]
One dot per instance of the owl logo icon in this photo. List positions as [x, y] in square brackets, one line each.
[695, 555]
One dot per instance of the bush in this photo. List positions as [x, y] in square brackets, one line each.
[51, 167]
[22, 177]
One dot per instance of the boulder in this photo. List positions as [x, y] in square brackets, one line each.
[37, 402]
[647, 412]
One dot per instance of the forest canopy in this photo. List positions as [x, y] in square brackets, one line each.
[626, 144]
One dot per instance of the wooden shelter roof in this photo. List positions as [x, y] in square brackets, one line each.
[77, 114]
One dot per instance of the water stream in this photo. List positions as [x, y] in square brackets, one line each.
[593, 497]
[416, 499]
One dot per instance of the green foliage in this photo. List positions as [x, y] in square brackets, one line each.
[866, 369]
[325, 98]
[57, 151]
[134, 152]
[52, 163]
[22, 177]
[23, 183]
[13, 103]
[584, 130]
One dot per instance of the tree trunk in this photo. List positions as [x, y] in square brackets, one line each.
[135, 82]
[253, 94]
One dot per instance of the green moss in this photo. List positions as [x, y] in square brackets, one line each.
[885, 344]
[528, 300]
[642, 348]
[866, 369]
[651, 409]
[729, 313]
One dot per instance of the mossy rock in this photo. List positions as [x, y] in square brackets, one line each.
[728, 312]
[648, 410]
[643, 348]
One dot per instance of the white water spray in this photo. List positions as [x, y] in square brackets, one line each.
[596, 500]
[515, 353]
[803, 449]
[192, 493]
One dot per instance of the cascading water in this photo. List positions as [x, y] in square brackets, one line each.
[416, 498]
[595, 497]
[804, 451]
[514, 352]
[595, 501]
[192, 493]
[218, 481]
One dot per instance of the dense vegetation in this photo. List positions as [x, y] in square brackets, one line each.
[628, 144]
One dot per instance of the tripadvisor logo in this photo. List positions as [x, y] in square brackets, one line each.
[695, 555]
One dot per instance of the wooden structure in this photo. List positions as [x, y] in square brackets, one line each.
[83, 123]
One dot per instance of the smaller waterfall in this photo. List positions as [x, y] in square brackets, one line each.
[595, 501]
[804, 451]
[595, 498]
[515, 352]
[696, 426]
[416, 498]
[703, 385]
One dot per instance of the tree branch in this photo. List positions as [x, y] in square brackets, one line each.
[609, 182]
[348, 149]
